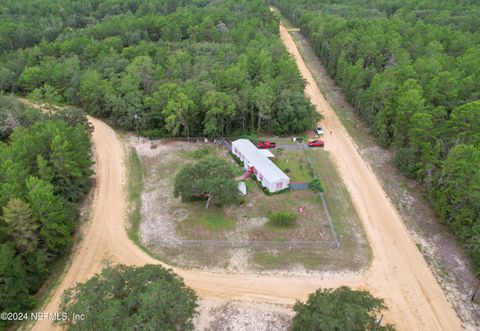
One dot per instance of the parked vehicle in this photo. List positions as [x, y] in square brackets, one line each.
[266, 144]
[319, 130]
[316, 143]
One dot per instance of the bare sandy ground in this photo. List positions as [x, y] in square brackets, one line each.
[221, 315]
[398, 272]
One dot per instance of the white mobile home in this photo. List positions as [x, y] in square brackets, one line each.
[265, 170]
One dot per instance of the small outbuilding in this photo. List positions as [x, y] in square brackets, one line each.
[265, 170]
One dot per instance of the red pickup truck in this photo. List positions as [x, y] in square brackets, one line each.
[266, 144]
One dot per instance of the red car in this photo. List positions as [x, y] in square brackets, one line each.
[266, 144]
[316, 143]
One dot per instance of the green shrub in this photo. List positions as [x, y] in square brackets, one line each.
[316, 185]
[282, 218]
[154, 133]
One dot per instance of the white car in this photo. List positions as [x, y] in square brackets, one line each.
[319, 130]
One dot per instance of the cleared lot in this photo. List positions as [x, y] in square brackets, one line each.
[240, 237]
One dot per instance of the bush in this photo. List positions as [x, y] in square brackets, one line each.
[282, 218]
[154, 133]
[316, 185]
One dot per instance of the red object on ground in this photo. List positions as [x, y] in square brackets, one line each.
[266, 144]
[301, 209]
[316, 143]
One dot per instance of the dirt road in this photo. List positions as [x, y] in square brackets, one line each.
[398, 273]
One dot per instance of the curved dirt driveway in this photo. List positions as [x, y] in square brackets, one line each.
[398, 272]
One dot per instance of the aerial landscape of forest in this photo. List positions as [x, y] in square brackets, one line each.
[182, 164]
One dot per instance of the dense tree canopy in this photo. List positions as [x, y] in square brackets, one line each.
[211, 175]
[45, 169]
[162, 66]
[131, 298]
[411, 69]
[339, 309]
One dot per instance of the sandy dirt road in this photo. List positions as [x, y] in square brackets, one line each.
[398, 272]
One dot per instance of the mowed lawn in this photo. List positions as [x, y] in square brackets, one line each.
[205, 224]
[294, 164]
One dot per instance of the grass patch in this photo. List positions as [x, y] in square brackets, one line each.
[134, 187]
[285, 258]
[344, 216]
[294, 164]
[201, 152]
[205, 224]
[214, 221]
[336, 195]
[282, 219]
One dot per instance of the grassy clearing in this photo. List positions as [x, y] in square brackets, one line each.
[195, 256]
[134, 187]
[294, 164]
[282, 259]
[310, 225]
[201, 152]
[345, 219]
[206, 224]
